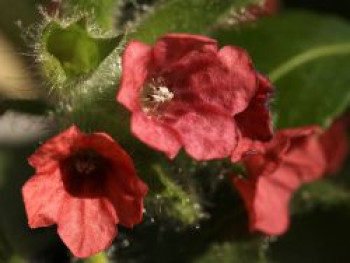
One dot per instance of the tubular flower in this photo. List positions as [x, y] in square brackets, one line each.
[86, 184]
[184, 92]
[292, 158]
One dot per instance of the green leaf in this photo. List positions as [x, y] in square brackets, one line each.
[73, 49]
[307, 57]
[83, 71]
[192, 16]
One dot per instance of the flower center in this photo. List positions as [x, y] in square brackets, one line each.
[86, 162]
[154, 94]
[84, 173]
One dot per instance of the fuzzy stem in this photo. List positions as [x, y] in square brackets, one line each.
[98, 258]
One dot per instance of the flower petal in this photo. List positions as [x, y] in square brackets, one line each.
[126, 192]
[87, 226]
[258, 110]
[246, 147]
[106, 146]
[203, 76]
[43, 196]
[294, 157]
[155, 134]
[242, 80]
[334, 142]
[136, 66]
[55, 149]
[307, 159]
[267, 201]
[172, 47]
[206, 135]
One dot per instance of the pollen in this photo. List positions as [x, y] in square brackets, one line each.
[154, 94]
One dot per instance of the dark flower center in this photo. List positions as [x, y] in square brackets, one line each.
[154, 94]
[84, 173]
[86, 162]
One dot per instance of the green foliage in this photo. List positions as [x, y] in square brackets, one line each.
[322, 193]
[100, 14]
[83, 71]
[192, 16]
[237, 252]
[302, 53]
[172, 200]
[74, 49]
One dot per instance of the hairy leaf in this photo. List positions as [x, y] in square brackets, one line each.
[192, 16]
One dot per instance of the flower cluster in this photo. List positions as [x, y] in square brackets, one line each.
[183, 92]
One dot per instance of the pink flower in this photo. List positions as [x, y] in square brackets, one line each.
[86, 184]
[294, 157]
[184, 92]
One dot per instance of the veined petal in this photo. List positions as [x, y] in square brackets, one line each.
[335, 145]
[106, 146]
[126, 193]
[172, 47]
[87, 226]
[43, 196]
[155, 134]
[242, 79]
[206, 135]
[136, 66]
[55, 149]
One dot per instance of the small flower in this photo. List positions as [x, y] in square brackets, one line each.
[335, 146]
[184, 92]
[294, 157]
[86, 184]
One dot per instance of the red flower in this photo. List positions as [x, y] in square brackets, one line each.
[184, 92]
[335, 145]
[86, 184]
[292, 158]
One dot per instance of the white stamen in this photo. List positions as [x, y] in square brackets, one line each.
[154, 94]
[161, 94]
